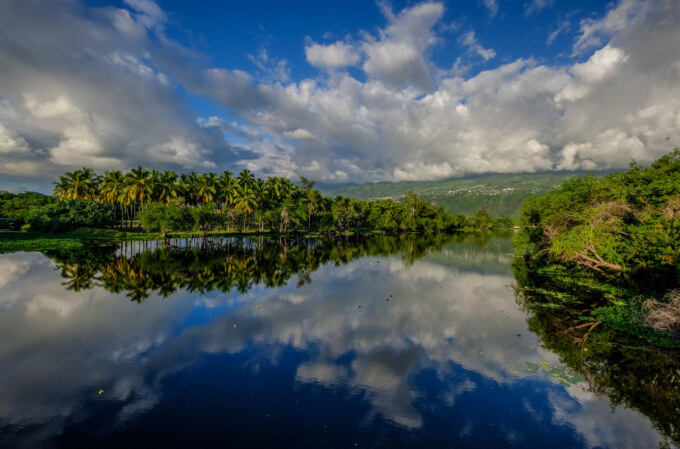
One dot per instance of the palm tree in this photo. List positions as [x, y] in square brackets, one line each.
[245, 178]
[287, 188]
[205, 187]
[188, 184]
[245, 200]
[61, 188]
[312, 198]
[77, 185]
[260, 191]
[111, 188]
[166, 187]
[226, 188]
[140, 185]
[276, 188]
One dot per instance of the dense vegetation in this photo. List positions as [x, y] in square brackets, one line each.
[22, 208]
[609, 245]
[501, 194]
[165, 201]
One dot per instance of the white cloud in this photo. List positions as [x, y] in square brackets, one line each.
[331, 56]
[518, 117]
[115, 102]
[470, 41]
[88, 90]
[414, 171]
[272, 69]
[561, 28]
[536, 6]
[593, 32]
[492, 7]
[397, 57]
[11, 142]
[299, 133]
[602, 65]
[182, 153]
[148, 13]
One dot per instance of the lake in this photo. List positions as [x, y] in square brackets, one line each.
[355, 342]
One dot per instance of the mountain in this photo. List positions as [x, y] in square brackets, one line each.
[502, 194]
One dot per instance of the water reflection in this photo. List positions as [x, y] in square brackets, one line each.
[625, 369]
[410, 341]
[204, 265]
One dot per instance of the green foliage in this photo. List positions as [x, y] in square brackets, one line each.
[21, 208]
[207, 218]
[628, 319]
[163, 218]
[617, 235]
[71, 214]
[164, 201]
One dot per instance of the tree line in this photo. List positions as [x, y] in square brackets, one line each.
[162, 201]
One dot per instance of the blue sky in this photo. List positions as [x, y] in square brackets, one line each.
[341, 92]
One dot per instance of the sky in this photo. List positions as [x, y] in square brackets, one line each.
[341, 92]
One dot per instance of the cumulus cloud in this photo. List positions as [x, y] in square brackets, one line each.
[519, 117]
[594, 31]
[403, 118]
[397, 57]
[88, 90]
[331, 56]
[11, 142]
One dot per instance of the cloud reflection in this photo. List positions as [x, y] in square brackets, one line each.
[369, 328]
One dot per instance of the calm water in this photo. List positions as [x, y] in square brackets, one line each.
[365, 343]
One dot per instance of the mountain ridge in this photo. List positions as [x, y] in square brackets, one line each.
[501, 194]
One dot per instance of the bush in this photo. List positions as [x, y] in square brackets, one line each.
[71, 214]
[22, 208]
[207, 218]
[161, 218]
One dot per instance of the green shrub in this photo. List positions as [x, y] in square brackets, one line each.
[207, 218]
[161, 218]
[71, 214]
[22, 208]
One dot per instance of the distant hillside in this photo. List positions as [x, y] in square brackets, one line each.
[501, 194]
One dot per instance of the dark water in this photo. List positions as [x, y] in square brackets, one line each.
[381, 342]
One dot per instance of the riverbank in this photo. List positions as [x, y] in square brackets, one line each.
[28, 241]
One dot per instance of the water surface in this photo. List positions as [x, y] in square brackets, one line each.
[381, 342]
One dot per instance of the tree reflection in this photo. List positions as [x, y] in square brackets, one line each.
[626, 369]
[204, 265]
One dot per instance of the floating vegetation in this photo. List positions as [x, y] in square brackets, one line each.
[563, 374]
